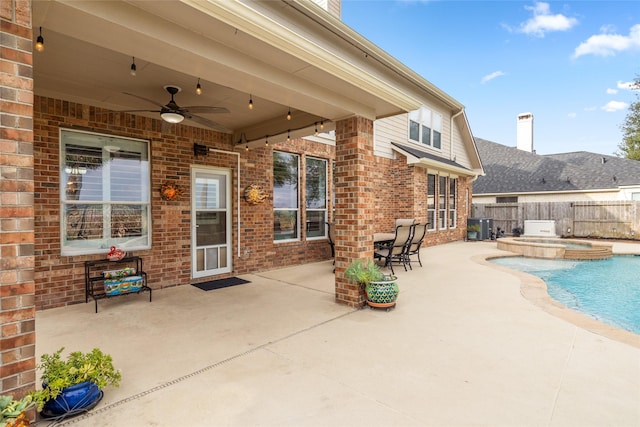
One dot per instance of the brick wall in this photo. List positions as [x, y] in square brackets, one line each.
[60, 279]
[17, 309]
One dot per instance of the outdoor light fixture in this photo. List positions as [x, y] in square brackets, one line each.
[266, 141]
[250, 102]
[315, 133]
[198, 88]
[289, 114]
[322, 125]
[171, 116]
[288, 135]
[40, 42]
[133, 66]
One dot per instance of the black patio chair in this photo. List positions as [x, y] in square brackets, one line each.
[396, 251]
[332, 240]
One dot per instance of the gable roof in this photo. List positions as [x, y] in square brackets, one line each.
[510, 170]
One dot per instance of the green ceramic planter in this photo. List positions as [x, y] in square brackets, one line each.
[383, 293]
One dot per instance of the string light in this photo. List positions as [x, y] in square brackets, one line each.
[322, 125]
[246, 148]
[289, 114]
[40, 42]
[316, 131]
[266, 141]
[198, 88]
[250, 102]
[133, 66]
[288, 135]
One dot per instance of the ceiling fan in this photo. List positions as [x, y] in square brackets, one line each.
[173, 113]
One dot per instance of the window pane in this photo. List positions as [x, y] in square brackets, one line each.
[316, 183]
[316, 223]
[124, 176]
[437, 140]
[82, 173]
[83, 223]
[285, 225]
[414, 131]
[426, 135]
[442, 201]
[285, 180]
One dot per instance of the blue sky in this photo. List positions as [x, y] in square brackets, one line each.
[569, 63]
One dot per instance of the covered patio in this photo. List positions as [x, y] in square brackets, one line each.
[463, 347]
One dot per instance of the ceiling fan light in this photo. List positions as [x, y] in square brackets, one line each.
[172, 117]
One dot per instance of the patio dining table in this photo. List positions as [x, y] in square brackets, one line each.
[383, 239]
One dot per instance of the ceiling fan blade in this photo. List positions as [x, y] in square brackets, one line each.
[208, 123]
[144, 99]
[204, 109]
[135, 111]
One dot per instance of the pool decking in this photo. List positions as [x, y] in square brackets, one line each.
[463, 347]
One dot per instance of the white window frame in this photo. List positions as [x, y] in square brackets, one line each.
[452, 196]
[426, 119]
[289, 209]
[107, 144]
[432, 217]
[326, 198]
[442, 201]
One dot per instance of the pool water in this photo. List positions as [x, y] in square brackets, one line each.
[607, 290]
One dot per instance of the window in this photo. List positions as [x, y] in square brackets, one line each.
[431, 201]
[452, 202]
[442, 203]
[425, 127]
[316, 196]
[104, 193]
[285, 196]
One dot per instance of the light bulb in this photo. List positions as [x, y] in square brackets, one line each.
[250, 103]
[289, 114]
[198, 88]
[133, 66]
[40, 42]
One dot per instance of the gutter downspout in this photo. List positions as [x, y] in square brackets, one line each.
[215, 150]
[451, 132]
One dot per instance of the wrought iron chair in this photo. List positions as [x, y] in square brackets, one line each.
[419, 232]
[332, 240]
[397, 250]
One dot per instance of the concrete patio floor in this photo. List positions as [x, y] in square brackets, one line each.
[463, 347]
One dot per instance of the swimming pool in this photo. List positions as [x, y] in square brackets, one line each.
[607, 290]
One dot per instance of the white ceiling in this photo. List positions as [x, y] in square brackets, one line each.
[90, 45]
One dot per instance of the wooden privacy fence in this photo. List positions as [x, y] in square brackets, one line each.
[606, 219]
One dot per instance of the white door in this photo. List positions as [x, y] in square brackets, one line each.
[210, 222]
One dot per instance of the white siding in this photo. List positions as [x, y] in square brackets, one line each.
[396, 129]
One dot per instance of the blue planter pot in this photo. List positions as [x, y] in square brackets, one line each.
[383, 293]
[73, 400]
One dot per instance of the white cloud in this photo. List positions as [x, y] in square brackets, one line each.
[625, 85]
[572, 115]
[612, 91]
[613, 106]
[492, 76]
[607, 44]
[543, 21]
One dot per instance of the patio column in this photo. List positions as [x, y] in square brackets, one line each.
[17, 289]
[354, 201]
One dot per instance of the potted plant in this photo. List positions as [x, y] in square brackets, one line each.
[472, 231]
[381, 290]
[74, 385]
[13, 413]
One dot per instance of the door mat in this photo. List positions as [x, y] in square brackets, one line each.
[220, 283]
